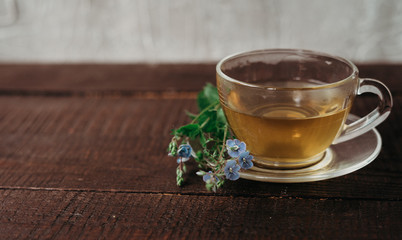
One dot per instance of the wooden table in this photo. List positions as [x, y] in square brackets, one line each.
[83, 155]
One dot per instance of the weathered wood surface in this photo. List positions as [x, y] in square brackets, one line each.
[128, 79]
[104, 215]
[90, 162]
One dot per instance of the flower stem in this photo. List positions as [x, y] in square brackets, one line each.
[222, 149]
[204, 110]
[224, 142]
[204, 123]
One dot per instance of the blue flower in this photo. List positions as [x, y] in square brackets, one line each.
[184, 152]
[235, 147]
[209, 176]
[245, 160]
[232, 170]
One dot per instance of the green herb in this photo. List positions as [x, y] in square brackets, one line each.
[207, 139]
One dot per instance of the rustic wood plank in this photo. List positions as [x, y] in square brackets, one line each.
[108, 77]
[99, 215]
[118, 144]
[390, 75]
[90, 163]
[126, 79]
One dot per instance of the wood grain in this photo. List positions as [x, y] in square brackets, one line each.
[98, 215]
[83, 157]
[132, 79]
[118, 144]
[107, 78]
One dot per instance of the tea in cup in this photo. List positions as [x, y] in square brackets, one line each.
[290, 105]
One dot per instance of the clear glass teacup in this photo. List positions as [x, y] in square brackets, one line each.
[290, 105]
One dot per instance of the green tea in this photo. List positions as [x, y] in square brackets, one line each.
[286, 133]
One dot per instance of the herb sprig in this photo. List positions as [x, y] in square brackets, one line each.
[207, 139]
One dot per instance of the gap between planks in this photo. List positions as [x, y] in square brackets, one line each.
[206, 194]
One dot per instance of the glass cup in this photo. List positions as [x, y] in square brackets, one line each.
[290, 105]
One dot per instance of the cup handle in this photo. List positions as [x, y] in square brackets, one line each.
[371, 120]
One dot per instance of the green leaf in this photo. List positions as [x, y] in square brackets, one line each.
[220, 116]
[199, 156]
[220, 183]
[200, 173]
[179, 182]
[209, 186]
[190, 130]
[172, 149]
[208, 121]
[203, 141]
[209, 95]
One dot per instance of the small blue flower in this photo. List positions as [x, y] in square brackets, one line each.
[209, 176]
[184, 152]
[235, 147]
[232, 170]
[245, 160]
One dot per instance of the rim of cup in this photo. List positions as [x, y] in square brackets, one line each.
[352, 76]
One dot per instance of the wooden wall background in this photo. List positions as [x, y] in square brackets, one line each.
[195, 30]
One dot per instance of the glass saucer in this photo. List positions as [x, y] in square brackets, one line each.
[339, 160]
